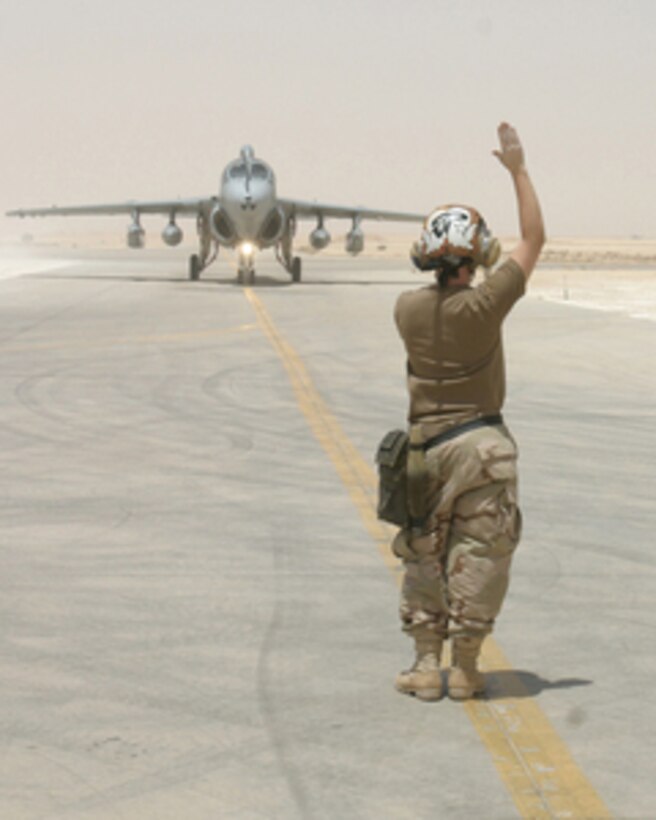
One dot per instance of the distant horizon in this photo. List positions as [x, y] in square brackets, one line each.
[393, 106]
[154, 241]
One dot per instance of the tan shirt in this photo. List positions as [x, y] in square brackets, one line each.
[455, 356]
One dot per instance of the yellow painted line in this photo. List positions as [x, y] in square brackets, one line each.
[531, 759]
[185, 336]
[351, 467]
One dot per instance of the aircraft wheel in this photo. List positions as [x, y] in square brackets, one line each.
[296, 269]
[194, 267]
[246, 276]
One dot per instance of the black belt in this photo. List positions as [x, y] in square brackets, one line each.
[454, 432]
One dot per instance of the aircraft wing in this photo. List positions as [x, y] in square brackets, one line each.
[167, 206]
[292, 207]
[309, 210]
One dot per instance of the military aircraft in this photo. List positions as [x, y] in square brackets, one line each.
[246, 215]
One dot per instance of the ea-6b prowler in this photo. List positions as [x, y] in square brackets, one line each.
[246, 215]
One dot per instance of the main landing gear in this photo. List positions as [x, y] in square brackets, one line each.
[195, 267]
[292, 264]
[199, 261]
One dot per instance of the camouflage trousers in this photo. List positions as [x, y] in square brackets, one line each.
[457, 568]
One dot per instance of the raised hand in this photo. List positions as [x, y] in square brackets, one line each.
[511, 153]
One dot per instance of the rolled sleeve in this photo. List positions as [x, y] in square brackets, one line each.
[499, 292]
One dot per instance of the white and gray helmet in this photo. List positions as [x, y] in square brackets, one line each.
[452, 235]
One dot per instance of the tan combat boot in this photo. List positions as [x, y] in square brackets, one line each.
[465, 681]
[424, 679]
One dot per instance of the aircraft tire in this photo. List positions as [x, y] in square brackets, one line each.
[194, 267]
[246, 276]
[296, 269]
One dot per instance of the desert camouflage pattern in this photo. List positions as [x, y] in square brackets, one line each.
[457, 568]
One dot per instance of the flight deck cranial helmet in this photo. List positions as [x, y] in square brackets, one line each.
[454, 235]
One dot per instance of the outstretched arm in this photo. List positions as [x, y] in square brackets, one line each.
[511, 155]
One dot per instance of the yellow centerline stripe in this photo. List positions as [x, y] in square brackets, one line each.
[532, 761]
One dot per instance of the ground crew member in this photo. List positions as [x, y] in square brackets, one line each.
[457, 559]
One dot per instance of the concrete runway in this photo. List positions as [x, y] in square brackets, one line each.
[198, 619]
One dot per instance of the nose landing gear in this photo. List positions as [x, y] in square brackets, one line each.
[246, 265]
[246, 275]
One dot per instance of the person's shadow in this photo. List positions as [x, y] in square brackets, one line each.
[515, 683]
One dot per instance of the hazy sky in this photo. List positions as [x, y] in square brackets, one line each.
[384, 103]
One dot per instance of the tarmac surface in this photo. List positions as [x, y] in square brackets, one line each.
[198, 618]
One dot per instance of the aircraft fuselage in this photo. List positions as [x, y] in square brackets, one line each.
[247, 210]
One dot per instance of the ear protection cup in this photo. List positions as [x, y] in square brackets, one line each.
[490, 251]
